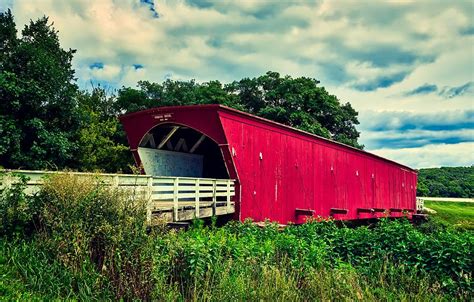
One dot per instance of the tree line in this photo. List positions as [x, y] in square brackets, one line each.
[446, 182]
[48, 122]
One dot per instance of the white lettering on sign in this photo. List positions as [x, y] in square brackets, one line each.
[163, 117]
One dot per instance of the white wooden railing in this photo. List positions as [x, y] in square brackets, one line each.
[180, 192]
[164, 193]
[36, 179]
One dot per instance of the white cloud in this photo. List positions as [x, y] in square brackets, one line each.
[392, 139]
[406, 120]
[108, 72]
[300, 38]
[429, 156]
[384, 48]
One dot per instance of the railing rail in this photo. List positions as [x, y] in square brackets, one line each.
[163, 192]
[139, 183]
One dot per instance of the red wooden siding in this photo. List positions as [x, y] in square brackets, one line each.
[281, 169]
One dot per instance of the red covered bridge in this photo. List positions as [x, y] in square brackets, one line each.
[281, 173]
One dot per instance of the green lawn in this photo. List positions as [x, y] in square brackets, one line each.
[459, 214]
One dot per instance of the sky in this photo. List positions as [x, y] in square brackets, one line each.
[407, 67]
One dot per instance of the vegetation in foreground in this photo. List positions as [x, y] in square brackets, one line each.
[79, 240]
[446, 182]
[457, 214]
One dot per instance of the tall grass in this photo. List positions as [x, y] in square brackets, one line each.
[34, 274]
[83, 226]
[77, 239]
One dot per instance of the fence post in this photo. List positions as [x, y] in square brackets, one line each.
[228, 195]
[175, 198]
[149, 200]
[196, 198]
[115, 182]
[214, 199]
[7, 180]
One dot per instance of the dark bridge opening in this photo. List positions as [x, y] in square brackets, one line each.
[175, 150]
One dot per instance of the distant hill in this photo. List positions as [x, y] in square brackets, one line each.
[446, 182]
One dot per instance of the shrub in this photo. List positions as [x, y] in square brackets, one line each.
[80, 219]
[442, 260]
[16, 208]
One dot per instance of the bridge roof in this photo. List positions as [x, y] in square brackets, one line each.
[159, 114]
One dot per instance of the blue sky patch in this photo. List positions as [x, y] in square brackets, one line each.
[451, 92]
[423, 89]
[403, 121]
[382, 82]
[413, 142]
[201, 3]
[96, 65]
[151, 7]
[385, 55]
[467, 31]
[4, 5]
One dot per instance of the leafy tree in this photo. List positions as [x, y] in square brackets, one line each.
[101, 140]
[173, 93]
[297, 102]
[446, 182]
[300, 103]
[38, 114]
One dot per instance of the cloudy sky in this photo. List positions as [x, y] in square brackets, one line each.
[407, 67]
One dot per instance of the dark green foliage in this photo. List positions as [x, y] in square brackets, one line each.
[16, 209]
[101, 140]
[300, 103]
[38, 116]
[34, 274]
[174, 93]
[297, 102]
[446, 182]
[45, 121]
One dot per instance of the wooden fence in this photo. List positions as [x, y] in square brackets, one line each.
[170, 198]
[197, 193]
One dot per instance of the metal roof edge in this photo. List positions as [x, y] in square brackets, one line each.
[158, 109]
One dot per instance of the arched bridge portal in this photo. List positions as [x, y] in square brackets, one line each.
[189, 158]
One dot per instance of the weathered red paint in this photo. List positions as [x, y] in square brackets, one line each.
[286, 174]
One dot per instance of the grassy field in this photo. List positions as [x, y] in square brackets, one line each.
[458, 214]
